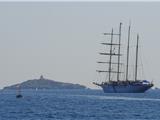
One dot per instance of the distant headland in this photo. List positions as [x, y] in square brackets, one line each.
[43, 83]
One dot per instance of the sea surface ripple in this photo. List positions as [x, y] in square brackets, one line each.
[79, 105]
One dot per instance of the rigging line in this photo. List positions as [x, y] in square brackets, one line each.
[148, 64]
[133, 74]
[110, 65]
[141, 62]
[124, 72]
[143, 57]
[99, 77]
[106, 77]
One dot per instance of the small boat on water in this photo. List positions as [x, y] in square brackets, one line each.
[19, 95]
[112, 83]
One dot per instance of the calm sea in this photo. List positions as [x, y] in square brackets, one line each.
[79, 105]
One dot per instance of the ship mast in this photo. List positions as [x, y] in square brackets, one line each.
[119, 52]
[128, 52]
[110, 57]
[136, 65]
[111, 54]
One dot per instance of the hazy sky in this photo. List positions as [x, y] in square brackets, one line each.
[60, 40]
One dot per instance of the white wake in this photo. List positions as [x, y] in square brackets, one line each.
[118, 98]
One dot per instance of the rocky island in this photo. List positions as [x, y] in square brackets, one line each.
[43, 83]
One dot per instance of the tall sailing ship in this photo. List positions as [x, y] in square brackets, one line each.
[125, 85]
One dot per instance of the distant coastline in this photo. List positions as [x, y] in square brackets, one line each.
[43, 83]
